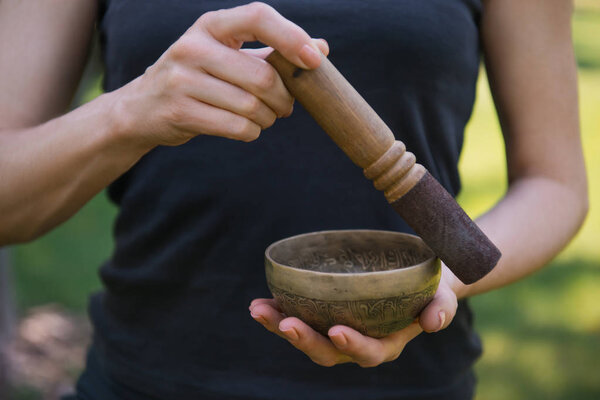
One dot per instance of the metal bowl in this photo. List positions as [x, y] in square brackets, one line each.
[376, 282]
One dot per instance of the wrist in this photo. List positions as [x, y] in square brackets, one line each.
[122, 129]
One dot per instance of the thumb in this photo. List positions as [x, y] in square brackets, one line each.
[440, 311]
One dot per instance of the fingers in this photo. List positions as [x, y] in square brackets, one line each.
[344, 344]
[258, 21]
[267, 313]
[271, 302]
[367, 351]
[191, 116]
[299, 334]
[441, 310]
[364, 350]
[304, 338]
[252, 74]
[323, 45]
[203, 84]
[210, 90]
[395, 342]
[439, 313]
[313, 344]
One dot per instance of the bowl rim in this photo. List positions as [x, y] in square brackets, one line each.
[422, 264]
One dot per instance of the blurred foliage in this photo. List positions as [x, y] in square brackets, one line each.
[541, 336]
[62, 266]
[586, 33]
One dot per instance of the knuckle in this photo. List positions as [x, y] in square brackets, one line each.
[201, 48]
[175, 78]
[258, 11]
[246, 130]
[265, 77]
[251, 106]
[182, 48]
[150, 69]
[207, 17]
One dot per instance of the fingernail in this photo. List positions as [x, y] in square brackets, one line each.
[259, 318]
[442, 316]
[316, 48]
[339, 340]
[309, 56]
[325, 43]
[290, 334]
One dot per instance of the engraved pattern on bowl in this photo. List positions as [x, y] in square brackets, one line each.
[376, 282]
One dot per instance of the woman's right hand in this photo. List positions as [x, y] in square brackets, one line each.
[204, 83]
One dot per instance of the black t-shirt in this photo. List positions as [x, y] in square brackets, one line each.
[194, 220]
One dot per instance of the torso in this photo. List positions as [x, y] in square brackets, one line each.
[195, 219]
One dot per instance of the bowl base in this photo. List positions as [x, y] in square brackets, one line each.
[374, 317]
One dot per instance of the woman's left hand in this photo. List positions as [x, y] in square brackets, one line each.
[345, 344]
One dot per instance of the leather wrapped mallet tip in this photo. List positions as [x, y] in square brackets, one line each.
[436, 217]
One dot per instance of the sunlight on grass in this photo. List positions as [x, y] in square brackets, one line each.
[579, 305]
[482, 164]
[586, 31]
[587, 242]
[94, 90]
[62, 267]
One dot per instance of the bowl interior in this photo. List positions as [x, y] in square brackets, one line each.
[356, 251]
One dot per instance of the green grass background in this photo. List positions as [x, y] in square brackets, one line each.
[541, 336]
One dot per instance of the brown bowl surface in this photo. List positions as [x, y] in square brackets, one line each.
[376, 282]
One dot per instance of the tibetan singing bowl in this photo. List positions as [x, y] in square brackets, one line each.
[376, 282]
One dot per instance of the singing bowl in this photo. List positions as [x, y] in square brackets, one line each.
[376, 282]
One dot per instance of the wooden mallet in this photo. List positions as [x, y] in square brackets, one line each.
[411, 190]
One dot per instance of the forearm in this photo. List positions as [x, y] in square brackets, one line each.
[531, 224]
[48, 172]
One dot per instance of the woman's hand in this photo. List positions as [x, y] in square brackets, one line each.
[204, 83]
[344, 344]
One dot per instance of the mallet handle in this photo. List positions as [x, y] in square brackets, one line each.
[352, 124]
